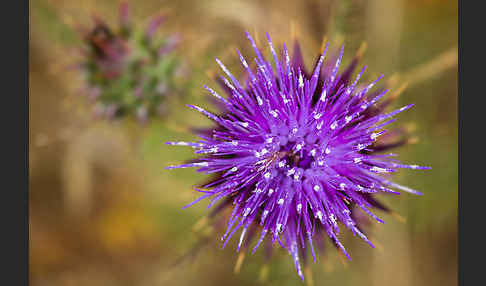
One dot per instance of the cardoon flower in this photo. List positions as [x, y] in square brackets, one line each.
[128, 71]
[295, 153]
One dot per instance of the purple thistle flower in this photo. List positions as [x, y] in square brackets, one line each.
[295, 153]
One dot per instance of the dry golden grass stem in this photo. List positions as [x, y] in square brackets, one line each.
[342, 258]
[262, 277]
[411, 127]
[177, 128]
[200, 224]
[293, 30]
[413, 140]
[398, 217]
[239, 261]
[339, 40]
[377, 245]
[431, 68]
[323, 44]
[255, 35]
[308, 276]
[399, 90]
[164, 10]
[361, 50]
[328, 266]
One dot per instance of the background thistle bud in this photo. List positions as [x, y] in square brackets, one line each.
[129, 71]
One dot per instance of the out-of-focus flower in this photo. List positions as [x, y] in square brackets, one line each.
[295, 153]
[129, 71]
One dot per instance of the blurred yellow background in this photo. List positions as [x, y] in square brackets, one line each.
[104, 211]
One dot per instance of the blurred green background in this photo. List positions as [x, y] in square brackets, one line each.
[104, 211]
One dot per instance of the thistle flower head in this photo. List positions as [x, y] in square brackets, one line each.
[128, 71]
[295, 152]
